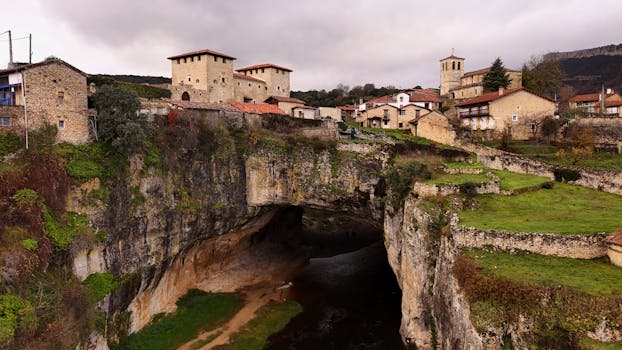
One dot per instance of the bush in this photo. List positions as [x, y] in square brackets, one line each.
[65, 230]
[100, 284]
[84, 169]
[30, 244]
[469, 189]
[15, 313]
[9, 143]
[25, 196]
[400, 178]
[565, 175]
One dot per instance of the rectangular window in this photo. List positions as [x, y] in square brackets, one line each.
[402, 112]
[178, 61]
[262, 70]
[401, 125]
[386, 112]
[224, 60]
[198, 58]
[5, 121]
[185, 60]
[61, 124]
[514, 117]
[192, 59]
[215, 59]
[417, 113]
[61, 96]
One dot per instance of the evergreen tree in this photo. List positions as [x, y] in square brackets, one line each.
[496, 77]
[118, 121]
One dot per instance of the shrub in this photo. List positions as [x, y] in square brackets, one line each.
[42, 140]
[65, 230]
[400, 178]
[30, 244]
[548, 185]
[25, 196]
[84, 169]
[15, 313]
[469, 189]
[100, 284]
[9, 143]
[565, 175]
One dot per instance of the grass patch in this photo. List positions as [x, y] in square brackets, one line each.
[196, 311]
[565, 209]
[100, 284]
[456, 179]
[463, 165]
[514, 181]
[202, 342]
[594, 277]
[591, 344]
[91, 160]
[270, 319]
[30, 244]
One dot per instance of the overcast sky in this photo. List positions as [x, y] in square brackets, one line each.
[325, 42]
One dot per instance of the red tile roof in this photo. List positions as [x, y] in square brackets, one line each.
[484, 70]
[201, 52]
[257, 108]
[204, 106]
[381, 99]
[247, 77]
[609, 104]
[285, 99]
[421, 96]
[264, 65]
[487, 97]
[348, 108]
[614, 238]
[452, 56]
[585, 98]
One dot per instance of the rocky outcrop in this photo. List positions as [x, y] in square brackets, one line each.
[172, 228]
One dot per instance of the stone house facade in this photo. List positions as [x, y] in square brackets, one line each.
[458, 85]
[286, 104]
[390, 117]
[591, 104]
[518, 112]
[433, 126]
[208, 76]
[49, 92]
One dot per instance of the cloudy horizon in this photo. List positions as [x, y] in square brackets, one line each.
[352, 42]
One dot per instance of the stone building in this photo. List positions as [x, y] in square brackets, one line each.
[208, 76]
[433, 126]
[49, 92]
[458, 85]
[518, 112]
[591, 104]
[390, 117]
[286, 104]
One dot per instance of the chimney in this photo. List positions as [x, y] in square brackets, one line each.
[501, 91]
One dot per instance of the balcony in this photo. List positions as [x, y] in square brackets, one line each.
[475, 112]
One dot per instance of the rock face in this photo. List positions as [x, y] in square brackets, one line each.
[170, 230]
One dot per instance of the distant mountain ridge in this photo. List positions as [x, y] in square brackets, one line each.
[609, 50]
[587, 70]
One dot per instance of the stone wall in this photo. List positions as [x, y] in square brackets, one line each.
[603, 180]
[44, 86]
[17, 119]
[432, 190]
[247, 87]
[606, 131]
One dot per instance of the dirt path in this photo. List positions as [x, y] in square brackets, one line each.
[254, 298]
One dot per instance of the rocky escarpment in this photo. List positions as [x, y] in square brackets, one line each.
[219, 180]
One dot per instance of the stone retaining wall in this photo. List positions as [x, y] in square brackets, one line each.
[425, 190]
[588, 246]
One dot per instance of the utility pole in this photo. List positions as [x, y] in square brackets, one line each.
[10, 49]
[29, 48]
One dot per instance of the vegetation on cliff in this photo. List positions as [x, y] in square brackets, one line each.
[560, 298]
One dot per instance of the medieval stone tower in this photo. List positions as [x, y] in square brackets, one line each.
[452, 69]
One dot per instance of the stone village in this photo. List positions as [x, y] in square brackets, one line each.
[460, 110]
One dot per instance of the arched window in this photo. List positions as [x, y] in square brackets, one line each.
[453, 65]
[185, 96]
[458, 65]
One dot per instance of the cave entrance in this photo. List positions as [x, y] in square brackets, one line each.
[350, 295]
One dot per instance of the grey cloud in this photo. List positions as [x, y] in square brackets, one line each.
[326, 42]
